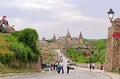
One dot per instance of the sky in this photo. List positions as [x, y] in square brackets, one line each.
[51, 17]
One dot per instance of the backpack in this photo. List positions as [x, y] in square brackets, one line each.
[58, 66]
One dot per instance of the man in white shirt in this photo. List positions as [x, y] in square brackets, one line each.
[62, 66]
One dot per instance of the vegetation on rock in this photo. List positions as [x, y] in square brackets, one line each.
[97, 54]
[20, 49]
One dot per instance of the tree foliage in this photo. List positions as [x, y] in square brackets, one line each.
[6, 58]
[96, 57]
[25, 47]
[29, 37]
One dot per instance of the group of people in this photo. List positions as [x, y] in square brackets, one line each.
[92, 66]
[4, 25]
[60, 67]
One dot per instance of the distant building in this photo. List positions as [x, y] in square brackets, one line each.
[81, 38]
[68, 37]
[54, 38]
[66, 41]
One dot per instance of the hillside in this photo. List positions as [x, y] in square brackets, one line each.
[19, 50]
[4, 43]
[94, 52]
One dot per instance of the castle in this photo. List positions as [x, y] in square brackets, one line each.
[64, 42]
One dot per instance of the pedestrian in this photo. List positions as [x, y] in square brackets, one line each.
[54, 66]
[90, 66]
[93, 66]
[4, 25]
[68, 66]
[101, 66]
[58, 67]
[62, 66]
[51, 67]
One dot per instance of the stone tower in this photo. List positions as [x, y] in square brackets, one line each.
[112, 60]
[80, 38]
[54, 38]
[68, 37]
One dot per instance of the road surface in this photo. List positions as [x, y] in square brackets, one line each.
[74, 74]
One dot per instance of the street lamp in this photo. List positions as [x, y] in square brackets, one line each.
[110, 15]
[88, 53]
[90, 65]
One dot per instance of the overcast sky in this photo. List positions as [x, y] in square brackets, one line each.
[51, 17]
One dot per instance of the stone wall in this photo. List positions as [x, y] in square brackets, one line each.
[112, 60]
[108, 58]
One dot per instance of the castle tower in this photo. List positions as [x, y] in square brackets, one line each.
[81, 38]
[68, 37]
[54, 38]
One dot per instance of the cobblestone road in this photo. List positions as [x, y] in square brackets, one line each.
[74, 74]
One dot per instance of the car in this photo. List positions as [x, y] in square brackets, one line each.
[72, 66]
[45, 66]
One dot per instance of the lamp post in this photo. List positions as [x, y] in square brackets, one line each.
[110, 15]
[88, 53]
[90, 65]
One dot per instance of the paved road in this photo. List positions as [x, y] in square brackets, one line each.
[63, 58]
[74, 74]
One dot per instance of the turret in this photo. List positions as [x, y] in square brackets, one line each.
[81, 38]
[54, 38]
[68, 36]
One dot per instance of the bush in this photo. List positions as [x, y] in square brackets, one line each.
[114, 70]
[6, 58]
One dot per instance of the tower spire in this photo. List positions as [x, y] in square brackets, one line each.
[54, 38]
[68, 37]
[81, 38]
[68, 34]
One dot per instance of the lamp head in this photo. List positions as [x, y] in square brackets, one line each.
[110, 14]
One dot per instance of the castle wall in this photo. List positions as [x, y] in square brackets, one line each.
[108, 59]
[112, 60]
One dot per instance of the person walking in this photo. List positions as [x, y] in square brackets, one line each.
[90, 66]
[68, 66]
[101, 66]
[93, 66]
[58, 67]
[62, 66]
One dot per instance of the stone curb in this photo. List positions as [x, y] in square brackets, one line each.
[111, 75]
[13, 74]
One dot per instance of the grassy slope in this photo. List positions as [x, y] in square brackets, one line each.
[4, 48]
[4, 44]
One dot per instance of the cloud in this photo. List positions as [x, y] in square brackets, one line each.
[75, 16]
[34, 4]
[60, 9]
[18, 22]
[50, 17]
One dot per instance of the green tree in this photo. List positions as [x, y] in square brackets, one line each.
[29, 37]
